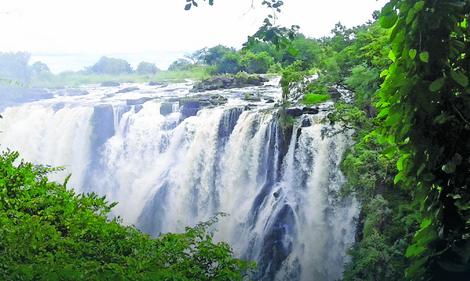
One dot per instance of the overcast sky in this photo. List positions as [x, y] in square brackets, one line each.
[106, 27]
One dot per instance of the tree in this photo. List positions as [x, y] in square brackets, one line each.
[230, 63]
[147, 68]
[180, 64]
[39, 67]
[215, 54]
[256, 63]
[108, 65]
[14, 67]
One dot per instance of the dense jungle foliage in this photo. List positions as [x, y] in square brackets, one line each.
[50, 233]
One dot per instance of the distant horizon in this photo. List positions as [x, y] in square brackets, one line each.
[74, 61]
[50, 29]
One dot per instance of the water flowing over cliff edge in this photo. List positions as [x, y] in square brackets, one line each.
[172, 161]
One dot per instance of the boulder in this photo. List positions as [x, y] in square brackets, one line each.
[154, 83]
[127, 90]
[189, 107]
[334, 93]
[310, 110]
[269, 101]
[166, 108]
[110, 84]
[251, 97]
[294, 111]
[306, 123]
[228, 82]
[72, 92]
[137, 101]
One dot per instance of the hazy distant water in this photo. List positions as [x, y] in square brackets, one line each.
[74, 62]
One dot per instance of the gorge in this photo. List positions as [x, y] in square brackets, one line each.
[171, 160]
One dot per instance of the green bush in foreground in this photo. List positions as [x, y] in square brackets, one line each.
[50, 233]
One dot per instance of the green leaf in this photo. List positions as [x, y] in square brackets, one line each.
[388, 21]
[459, 77]
[384, 73]
[437, 84]
[424, 56]
[412, 53]
[418, 6]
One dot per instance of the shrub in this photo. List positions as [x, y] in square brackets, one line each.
[146, 68]
[111, 66]
[312, 99]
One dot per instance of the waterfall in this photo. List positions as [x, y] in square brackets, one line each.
[278, 183]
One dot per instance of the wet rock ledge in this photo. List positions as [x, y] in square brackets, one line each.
[239, 80]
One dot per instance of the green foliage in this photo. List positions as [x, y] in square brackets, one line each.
[256, 63]
[215, 54]
[146, 68]
[365, 82]
[291, 74]
[180, 65]
[312, 99]
[113, 66]
[14, 67]
[424, 106]
[50, 233]
[229, 63]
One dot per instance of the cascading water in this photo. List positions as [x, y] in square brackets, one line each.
[278, 183]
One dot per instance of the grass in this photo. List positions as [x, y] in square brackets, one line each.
[312, 99]
[75, 79]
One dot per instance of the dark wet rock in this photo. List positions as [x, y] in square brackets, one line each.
[72, 92]
[277, 243]
[138, 108]
[306, 123]
[110, 84]
[251, 97]
[127, 90]
[189, 107]
[294, 111]
[137, 101]
[370, 110]
[154, 83]
[276, 194]
[166, 108]
[310, 110]
[228, 82]
[270, 101]
[11, 95]
[334, 94]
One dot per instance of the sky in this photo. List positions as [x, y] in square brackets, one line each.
[68, 34]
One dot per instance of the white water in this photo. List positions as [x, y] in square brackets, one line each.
[167, 172]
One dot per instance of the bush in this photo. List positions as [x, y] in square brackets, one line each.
[50, 233]
[147, 68]
[312, 99]
[111, 66]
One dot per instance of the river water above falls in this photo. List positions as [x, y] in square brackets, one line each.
[170, 167]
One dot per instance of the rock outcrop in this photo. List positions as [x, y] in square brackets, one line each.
[228, 82]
